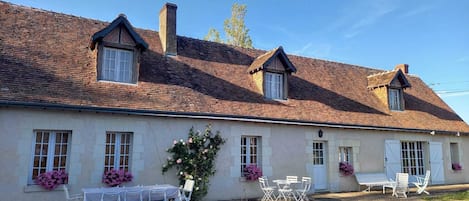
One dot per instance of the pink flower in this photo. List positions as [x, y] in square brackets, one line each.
[175, 142]
[189, 141]
[179, 161]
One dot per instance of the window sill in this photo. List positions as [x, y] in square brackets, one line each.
[116, 82]
[36, 188]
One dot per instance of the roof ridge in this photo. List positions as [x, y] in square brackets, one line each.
[381, 73]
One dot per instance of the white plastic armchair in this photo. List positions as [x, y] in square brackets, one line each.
[401, 186]
[186, 192]
[422, 183]
[69, 197]
[266, 189]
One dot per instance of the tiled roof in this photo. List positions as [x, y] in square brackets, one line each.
[263, 60]
[385, 79]
[45, 58]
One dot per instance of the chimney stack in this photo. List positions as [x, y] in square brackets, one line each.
[168, 29]
[404, 68]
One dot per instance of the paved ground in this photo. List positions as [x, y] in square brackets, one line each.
[377, 194]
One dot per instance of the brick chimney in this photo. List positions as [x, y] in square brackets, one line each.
[168, 29]
[404, 68]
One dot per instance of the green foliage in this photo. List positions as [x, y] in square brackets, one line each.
[194, 159]
[235, 29]
[213, 35]
[463, 195]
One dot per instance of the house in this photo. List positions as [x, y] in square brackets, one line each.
[72, 90]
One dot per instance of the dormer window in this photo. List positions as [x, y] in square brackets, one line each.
[270, 73]
[119, 49]
[395, 99]
[117, 65]
[274, 87]
[389, 87]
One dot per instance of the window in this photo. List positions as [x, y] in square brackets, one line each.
[395, 99]
[250, 150]
[412, 158]
[50, 152]
[117, 65]
[345, 154]
[117, 153]
[318, 153]
[454, 149]
[274, 85]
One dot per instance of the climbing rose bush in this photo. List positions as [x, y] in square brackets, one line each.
[194, 159]
[345, 168]
[50, 180]
[116, 177]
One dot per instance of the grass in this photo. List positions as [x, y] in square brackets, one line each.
[463, 195]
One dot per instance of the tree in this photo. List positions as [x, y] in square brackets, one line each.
[235, 30]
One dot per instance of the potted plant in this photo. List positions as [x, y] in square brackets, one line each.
[51, 179]
[456, 166]
[116, 177]
[252, 172]
[346, 168]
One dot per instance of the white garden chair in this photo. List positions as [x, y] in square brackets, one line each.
[133, 195]
[69, 197]
[111, 196]
[302, 193]
[266, 189]
[422, 183]
[157, 194]
[401, 186]
[186, 192]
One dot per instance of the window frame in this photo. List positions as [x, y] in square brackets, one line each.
[274, 81]
[116, 155]
[118, 68]
[413, 157]
[51, 152]
[246, 158]
[396, 101]
[454, 153]
[345, 154]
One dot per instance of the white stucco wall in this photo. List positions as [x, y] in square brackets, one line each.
[286, 150]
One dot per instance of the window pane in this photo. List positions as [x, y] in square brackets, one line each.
[273, 85]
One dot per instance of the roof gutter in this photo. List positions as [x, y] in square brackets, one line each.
[194, 115]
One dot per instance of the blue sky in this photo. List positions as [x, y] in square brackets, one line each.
[432, 36]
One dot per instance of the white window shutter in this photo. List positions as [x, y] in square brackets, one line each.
[392, 158]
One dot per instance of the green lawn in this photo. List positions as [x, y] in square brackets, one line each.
[464, 195]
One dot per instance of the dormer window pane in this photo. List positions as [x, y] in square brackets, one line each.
[274, 85]
[117, 65]
[395, 98]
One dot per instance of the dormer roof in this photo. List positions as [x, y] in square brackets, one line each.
[387, 79]
[121, 20]
[265, 59]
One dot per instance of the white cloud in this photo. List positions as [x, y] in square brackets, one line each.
[417, 11]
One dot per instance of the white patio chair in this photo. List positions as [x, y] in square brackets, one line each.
[402, 185]
[284, 188]
[266, 189]
[186, 192]
[69, 197]
[302, 193]
[111, 196]
[133, 194]
[422, 183]
[157, 194]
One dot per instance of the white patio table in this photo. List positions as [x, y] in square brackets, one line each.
[94, 194]
[286, 188]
